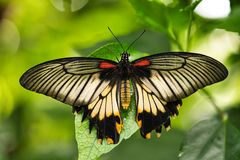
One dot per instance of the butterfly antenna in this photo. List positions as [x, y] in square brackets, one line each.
[116, 39]
[135, 40]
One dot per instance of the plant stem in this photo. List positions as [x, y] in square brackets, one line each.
[173, 37]
[189, 30]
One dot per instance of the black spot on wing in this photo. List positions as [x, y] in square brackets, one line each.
[106, 128]
[152, 122]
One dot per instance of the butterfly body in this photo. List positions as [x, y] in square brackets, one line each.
[101, 88]
[123, 72]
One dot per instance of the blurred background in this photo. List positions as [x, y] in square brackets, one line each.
[35, 127]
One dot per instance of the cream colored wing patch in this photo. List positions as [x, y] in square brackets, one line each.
[152, 112]
[104, 114]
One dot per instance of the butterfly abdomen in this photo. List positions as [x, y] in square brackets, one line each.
[125, 95]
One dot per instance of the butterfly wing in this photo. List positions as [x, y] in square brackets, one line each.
[162, 80]
[86, 83]
[104, 113]
[152, 112]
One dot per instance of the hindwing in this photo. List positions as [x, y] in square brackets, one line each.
[152, 112]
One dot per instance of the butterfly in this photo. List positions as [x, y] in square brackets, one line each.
[102, 88]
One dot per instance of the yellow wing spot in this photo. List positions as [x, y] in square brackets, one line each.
[139, 123]
[178, 106]
[148, 136]
[99, 141]
[119, 127]
[109, 141]
[140, 108]
[168, 128]
[116, 111]
[158, 135]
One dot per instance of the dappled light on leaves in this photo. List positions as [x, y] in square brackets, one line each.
[213, 9]
[71, 5]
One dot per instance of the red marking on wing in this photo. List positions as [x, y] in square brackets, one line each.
[105, 65]
[142, 63]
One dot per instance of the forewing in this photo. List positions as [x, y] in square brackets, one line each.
[75, 81]
[176, 75]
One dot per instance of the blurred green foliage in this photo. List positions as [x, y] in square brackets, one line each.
[36, 127]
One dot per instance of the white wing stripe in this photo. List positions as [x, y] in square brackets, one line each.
[208, 73]
[82, 86]
[63, 90]
[58, 85]
[41, 79]
[198, 78]
[69, 87]
[36, 72]
[72, 95]
[179, 85]
[169, 90]
[198, 73]
[47, 84]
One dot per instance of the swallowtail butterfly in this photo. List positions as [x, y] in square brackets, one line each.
[101, 87]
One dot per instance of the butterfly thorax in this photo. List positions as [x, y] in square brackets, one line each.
[124, 68]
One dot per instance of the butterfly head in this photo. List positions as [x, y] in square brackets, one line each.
[125, 56]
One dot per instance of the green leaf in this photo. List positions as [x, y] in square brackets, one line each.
[110, 51]
[165, 18]
[212, 139]
[172, 19]
[88, 148]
